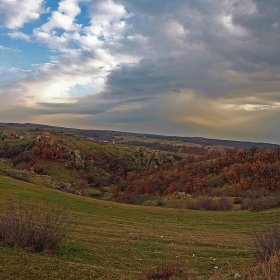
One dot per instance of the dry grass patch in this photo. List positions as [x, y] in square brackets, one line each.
[169, 271]
[211, 204]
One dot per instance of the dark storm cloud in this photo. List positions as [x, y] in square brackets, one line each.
[152, 77]
[219, 36]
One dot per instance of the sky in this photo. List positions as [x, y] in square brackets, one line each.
[207, 68]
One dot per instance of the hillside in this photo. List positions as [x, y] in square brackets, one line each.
[115, 241]
[111, 240]
[67, 161]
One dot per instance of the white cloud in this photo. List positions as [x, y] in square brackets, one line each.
[2, 48]
[53, 82]
[19, 70]
[107, 11]
[50, 39]
[107, 34]
[15, 13]
[19, 35]
[251, 107]
[64, 17]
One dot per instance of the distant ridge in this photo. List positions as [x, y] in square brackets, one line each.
[109, 135]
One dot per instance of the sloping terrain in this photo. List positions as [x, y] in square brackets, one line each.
[139, 175]
[75, 164]
[116, 241]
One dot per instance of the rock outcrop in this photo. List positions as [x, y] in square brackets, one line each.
[149, 158]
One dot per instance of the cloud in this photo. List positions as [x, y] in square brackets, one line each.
[201, 67]
[53, 82]
[2, 48]
[14, 14]
[19, 70]
[239, 118]
[63, 17]
[19, 35]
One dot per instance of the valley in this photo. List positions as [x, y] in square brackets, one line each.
[132, 205]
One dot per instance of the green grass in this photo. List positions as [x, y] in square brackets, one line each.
[9, 129]
[85, 145]
[16, 142]
[92, 191]
[59, 172]
[115, 241]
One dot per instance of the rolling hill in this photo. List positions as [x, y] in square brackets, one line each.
[116, 241]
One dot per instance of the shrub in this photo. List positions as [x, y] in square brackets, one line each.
[207, 203]
[176, 202]
[41, 229]
[19, 175]
[23, 165]
[266, 242]
[149, 203]
[237, 200]
[267, 253]
[168, 271]
[258, 193]
[260, 203]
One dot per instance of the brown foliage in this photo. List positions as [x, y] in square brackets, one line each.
[37, 168]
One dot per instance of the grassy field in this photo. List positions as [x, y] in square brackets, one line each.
[115, 241]
[60, 172]
[147, 139]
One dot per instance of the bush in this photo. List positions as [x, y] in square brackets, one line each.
[18, 175]
[168, 271]
[266, 242]
[267, 253]
[207, 203]
[237, 200]
[260, 203]
[33, 229]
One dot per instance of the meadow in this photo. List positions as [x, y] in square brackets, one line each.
[115, 241]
